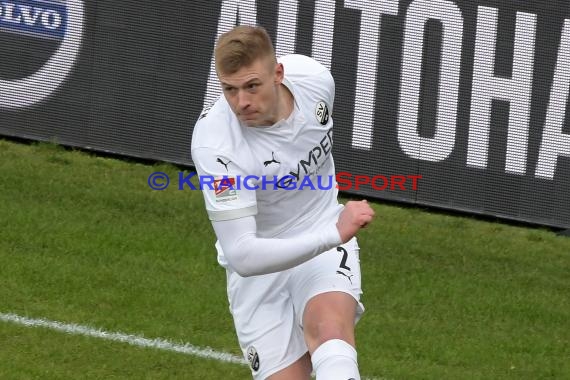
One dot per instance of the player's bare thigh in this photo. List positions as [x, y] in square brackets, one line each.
[327, 316]
[301, 370]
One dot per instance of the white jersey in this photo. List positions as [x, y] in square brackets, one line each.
[278, 160]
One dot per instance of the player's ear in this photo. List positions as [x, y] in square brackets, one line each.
[279, 73]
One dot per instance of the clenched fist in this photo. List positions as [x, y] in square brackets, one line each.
[356, 215]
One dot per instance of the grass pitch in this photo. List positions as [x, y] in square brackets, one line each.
[83, 239]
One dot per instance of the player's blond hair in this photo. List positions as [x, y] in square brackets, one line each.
[242, 46]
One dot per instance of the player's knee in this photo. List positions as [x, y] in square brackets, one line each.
[320, 332]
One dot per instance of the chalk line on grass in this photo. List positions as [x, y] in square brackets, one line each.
[134, 340]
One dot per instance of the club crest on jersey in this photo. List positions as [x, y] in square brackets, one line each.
[253, 358]
[322, 113]
[225, 189]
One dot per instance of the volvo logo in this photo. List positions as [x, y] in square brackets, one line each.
[36, 18]
[62, 20]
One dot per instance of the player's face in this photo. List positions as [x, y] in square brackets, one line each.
[252, 92]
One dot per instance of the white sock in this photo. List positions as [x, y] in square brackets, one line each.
[335, 360]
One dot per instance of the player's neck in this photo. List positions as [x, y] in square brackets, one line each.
[286, 103]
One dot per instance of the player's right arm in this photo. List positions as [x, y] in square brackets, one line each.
[250, 255]
[232, 215]
[233, 220]
[354, 216]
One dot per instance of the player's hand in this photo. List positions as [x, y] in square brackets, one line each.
[356, 215]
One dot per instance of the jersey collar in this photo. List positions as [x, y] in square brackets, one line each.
[291, 88]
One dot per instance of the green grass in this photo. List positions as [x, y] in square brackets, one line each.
[28, 353]
[84, 240]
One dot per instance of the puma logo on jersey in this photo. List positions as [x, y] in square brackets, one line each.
[272, 161]
[205, 111]
[219, 160]
[345, 275]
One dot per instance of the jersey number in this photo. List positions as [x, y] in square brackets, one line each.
[344, 257]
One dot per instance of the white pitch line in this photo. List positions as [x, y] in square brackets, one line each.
[134, 340]
[161, 344]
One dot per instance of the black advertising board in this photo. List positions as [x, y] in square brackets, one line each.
[470, 95]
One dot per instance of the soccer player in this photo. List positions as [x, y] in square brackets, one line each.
[293, 271]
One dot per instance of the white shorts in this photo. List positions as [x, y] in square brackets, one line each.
[268, 309]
